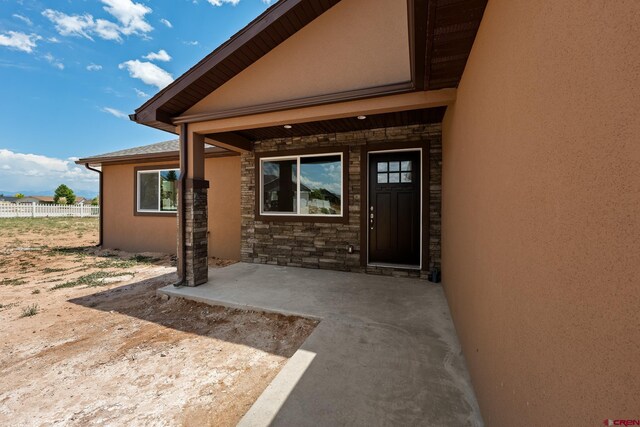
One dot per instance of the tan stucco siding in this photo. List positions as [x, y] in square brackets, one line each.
[126, 231]
[223, 175]
[541, 202]
[354, 45]
[123, 230]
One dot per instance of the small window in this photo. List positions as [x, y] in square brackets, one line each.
[158, 191]
[395, 172]
[307, 185]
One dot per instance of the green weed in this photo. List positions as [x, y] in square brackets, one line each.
[90, 280]
[29, 311]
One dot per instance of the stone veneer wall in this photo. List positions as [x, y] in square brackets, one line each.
[196, 251]
[324, 245]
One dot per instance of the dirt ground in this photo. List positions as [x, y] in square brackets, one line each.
[84, 340]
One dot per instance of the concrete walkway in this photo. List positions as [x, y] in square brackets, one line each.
[384, 353]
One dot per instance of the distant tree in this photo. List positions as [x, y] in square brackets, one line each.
[19, 195]
[95, 201]
[64, 192]
[172, 176]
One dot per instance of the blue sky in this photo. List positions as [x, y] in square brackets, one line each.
[72, 70]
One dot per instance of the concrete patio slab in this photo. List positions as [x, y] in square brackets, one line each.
[384, 353]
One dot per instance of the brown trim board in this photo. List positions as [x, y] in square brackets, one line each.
[310, 101]
[135, 189]
[182, 217]
[344, 219]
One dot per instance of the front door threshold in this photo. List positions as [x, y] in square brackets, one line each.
[386, 265]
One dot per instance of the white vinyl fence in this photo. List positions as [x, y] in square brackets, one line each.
[37, 210]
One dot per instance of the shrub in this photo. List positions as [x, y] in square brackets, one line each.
[29, 311]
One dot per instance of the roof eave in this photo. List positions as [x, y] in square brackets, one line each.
[149, 157]
[151, 114]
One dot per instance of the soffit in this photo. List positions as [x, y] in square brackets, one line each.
[377, 121]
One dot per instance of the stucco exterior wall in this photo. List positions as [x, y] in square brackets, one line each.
[123, 230]
[223, 175]
[541, 202]
[356, 44]
[126, 231]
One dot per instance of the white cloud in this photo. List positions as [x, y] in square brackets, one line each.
[221, 2]
[107, 30]
[192, 43]
[130, 19]
[114, 112]
[23, 19]
[161, 55]
[19, 41]
[33, 172]
[71, 25]
[149, 73]
[130, 15]
[140, 93]
[232, 2]
[166, 22]
[94, 67]
[53, 40]
[53, 61]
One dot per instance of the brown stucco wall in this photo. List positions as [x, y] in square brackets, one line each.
[541, 202]
[126, 231]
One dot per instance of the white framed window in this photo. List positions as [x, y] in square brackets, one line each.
[157, 191]
[309, 185]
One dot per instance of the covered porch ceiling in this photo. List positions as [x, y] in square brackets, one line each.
[441, 34]
[375, 121]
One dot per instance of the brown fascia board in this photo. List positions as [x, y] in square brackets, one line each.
[151, 157]
[151, 111]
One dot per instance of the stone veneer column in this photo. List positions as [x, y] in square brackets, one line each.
[196, 250]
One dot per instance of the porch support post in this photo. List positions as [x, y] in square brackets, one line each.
[192, 216]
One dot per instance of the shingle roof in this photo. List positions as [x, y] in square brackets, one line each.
[158, 147]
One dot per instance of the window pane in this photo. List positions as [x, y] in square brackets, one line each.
[321, 185]
[406, 177]
[279, 186]
[406, 165]
[169, 190]
[394, 177]
[382, 166]
[394, 166]
[382, 178]
[148, 187]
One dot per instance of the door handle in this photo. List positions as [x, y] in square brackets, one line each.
[371, 216]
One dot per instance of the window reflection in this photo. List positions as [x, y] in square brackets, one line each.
[321, 185]
[279, 185]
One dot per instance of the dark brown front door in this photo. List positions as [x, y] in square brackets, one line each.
[394, 208]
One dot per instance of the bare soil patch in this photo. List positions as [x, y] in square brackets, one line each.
[84, 340]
